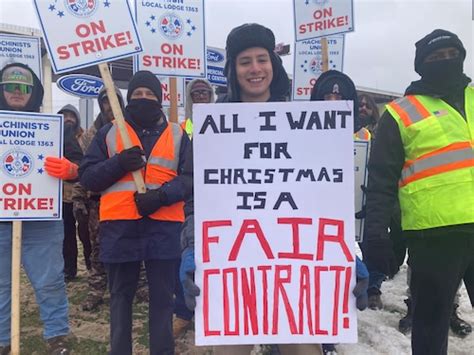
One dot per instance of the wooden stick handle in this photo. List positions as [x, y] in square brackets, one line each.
[325, 54]
[173, 100]
[16, 262]
[118, 116]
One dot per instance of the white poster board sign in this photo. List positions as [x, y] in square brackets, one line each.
[27, 191]
[21, 49]
[308, 63]
[82, 33]
[361, 161]
[322, 18]
[165, 86]
[173, 38]
[274, 223]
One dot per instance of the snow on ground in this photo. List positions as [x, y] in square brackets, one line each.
[378, 330]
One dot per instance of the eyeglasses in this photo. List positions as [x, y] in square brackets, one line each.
[202, 93]
[23, 88]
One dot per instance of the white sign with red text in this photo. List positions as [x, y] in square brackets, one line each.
[308, 63]
[82, 33]
[165, 87]
[21, 49]
[274, 223]
[173, 38]
[27, 191]
[322, 18]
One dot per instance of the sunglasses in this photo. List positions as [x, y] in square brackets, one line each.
[23, 88]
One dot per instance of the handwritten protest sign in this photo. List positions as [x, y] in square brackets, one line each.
[173, 37]
[308, 63]
[79, 33]
[21, 49]
[321, 18]
[27, 191]
[165, 86]
[361, 159]
[274, 223]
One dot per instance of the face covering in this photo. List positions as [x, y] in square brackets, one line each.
[144, 112]
[443, 73]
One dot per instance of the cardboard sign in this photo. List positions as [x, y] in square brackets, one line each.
[321, 18]
[274, 223]
[361, 161]
[165, 86]
[308, 64]
[216, 59]
[82, 33]
[27, 191]
[173, 38]
[21, 49]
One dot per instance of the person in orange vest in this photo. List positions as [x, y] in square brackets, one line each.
[139, 227]
[424, 155]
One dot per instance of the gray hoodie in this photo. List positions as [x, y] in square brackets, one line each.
[189, 100]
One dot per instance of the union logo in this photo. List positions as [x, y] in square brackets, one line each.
[17, 163]
[81, 8]
[171, 26]
[316, 67]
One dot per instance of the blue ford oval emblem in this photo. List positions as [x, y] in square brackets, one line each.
[81, 85]
[214, 56]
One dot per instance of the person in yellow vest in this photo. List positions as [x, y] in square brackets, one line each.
[198, 91]
[424, 154]
[139, 227]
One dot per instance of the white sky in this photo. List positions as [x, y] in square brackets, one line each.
[379, 54]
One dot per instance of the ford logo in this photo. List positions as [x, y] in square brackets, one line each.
[214, 56]
[81, 85]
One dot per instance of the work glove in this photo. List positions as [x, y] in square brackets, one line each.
[379, 256]
[360, 289]
[60, 168]
[132, 159]
[186, 276]
[79, 210]
[149, 201]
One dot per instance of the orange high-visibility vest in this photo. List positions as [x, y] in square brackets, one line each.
[436, 186]
[117, 202]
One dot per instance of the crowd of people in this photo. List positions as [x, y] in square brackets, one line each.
[420, 198]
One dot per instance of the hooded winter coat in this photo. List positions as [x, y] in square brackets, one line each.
[189, 101]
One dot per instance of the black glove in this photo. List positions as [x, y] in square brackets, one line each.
[379, 256]
[131, 159]
[150, 201]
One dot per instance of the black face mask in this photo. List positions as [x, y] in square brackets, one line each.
[144, 112]
[443, 73]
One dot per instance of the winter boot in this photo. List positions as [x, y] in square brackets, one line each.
[5, 350]
[404, 325]
[459, 326]
[58, 345]
[179, 326]
[375, 299]
[92, 303]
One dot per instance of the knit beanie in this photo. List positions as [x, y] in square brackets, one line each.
[433, 41]
[147, 79]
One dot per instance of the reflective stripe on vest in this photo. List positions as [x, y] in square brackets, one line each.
[117, 202]
[452, 157]
[187, 126]
[409, 109]
[436, 186]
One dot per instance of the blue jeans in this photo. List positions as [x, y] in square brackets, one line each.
[180, 308]
[42, 260]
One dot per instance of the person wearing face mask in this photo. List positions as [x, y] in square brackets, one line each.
[424, 154]
[139, 227]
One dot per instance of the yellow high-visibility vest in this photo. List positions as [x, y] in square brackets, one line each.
[436, 186]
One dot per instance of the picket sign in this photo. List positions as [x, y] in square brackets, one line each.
[173, 100]
[15, 301]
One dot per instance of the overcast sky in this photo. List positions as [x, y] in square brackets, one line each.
[379, 54]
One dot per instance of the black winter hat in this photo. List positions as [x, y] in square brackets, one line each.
[433, 41]
[147, 79]
[246, 36]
